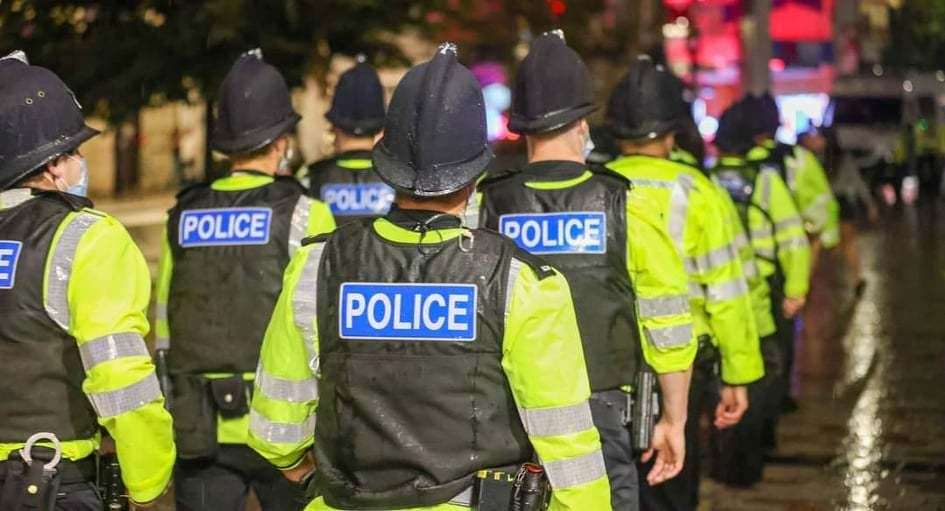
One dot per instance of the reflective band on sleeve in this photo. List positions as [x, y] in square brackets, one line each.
[112, 347]
[515, 267]
[162, 343]
[765, 188]
[740, 241]
[15, 197]
[678, 207]
[564, 420]
[304, 306]
[281, 432]
[713, 260]
[572, 472]
[696, 290]
[126, 399]
[761, 232]
[765, 252]
[726, 290]
[654, 183]
[671, 336]
[293, 391]
[788, 223]
[298, 226]
[60, 268]
[793, 243]
[750, 270]
[663, 306]
[160, 315]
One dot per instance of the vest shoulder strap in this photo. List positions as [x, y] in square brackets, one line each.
[318, 238]
[542, 268]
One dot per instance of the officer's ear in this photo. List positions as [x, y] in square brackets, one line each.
[669, 142]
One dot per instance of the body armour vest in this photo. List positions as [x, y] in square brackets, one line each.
[350, 187]
[230, 249]
[582, 231]
[413, 400]
[41, 374]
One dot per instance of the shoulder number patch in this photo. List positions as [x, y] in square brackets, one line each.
[573, 232]
[407, 312]
[366, 199]
[9, 255]
[224, 226]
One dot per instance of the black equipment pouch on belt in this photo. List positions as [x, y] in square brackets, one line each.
[30, 486]
[230, 396]
[525, 489]
[646, 407]
[195, 417]
[708, 357]
[110, 485]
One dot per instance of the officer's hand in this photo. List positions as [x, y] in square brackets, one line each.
[732, 405]
[301, 471]
[792, 306]
[669, 445]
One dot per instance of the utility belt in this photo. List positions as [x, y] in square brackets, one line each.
[197, 401]
[31, 477]
[518, 488]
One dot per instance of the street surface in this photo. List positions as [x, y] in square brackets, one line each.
[870, 432]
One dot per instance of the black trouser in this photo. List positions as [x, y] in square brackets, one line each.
[609, 410]
[681, 493]
[223, 483]
[77, 491]
[738, 451]
[785, 339]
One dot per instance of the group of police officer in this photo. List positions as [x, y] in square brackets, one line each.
[390, 360]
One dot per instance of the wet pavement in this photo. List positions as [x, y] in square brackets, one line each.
[870, 432]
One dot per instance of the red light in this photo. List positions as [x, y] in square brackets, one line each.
[776, 65]
[558, 7]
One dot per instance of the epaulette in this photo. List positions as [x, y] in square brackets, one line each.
[542, 268]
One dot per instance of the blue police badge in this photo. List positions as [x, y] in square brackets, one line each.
[9, 255]
[407, 312]
[572, 232]
[364, 199]
[224, 227]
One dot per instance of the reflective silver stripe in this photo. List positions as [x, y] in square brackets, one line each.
[663, 306]
[304, 306]
[788, 223]
[281, 432]
[112, 347]
[299, 223]
[471, 217]
[696, 290]
[762, 232]
[515, 267]
[750, 270]
[463, 499]
[726, 290]
[60, 268]
[14, 197]
[126, 399]
[793, 243]
[162, 343]
[765, 188]
[563, 420]
[713, 259]
[293, 391]
[765, 252]
[671, 336]
[654, 183]
[160, 316]
[678, 206]
[575, 471]
[740, 241]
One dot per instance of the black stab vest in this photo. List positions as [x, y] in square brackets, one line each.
[600, 285]
[351, 194]
[405, 423]
[221, 297]
[41, 374]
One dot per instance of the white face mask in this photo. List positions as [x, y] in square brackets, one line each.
[285, 161]
[588, 146]
[82, 187]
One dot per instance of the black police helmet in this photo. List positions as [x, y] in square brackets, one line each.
[646, 103]
[435, 139]
[40, 119]
[253, 106]
[765, 118]
[552, 87]
[733, 135]
[358, 104]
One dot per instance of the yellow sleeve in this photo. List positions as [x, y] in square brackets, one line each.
[162, 331]
[543, 359]
[285, 398]
[108, 290]
[793, 249]
[320, 219]
[661, 285]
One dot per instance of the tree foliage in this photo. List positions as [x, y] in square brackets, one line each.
[917, 35]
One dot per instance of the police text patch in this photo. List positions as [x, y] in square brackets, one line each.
[224, 226]
[573, 232]
[9, 254]
[366, 199]
[408, 312]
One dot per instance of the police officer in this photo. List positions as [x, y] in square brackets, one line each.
[644, 113]
[226, 248]
[347, 181]
[624, 273]
[782, 253]
[73, 291]
[415, 360]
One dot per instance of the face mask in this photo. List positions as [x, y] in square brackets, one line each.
[284, 162]
[588, 147]
[82, 187]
